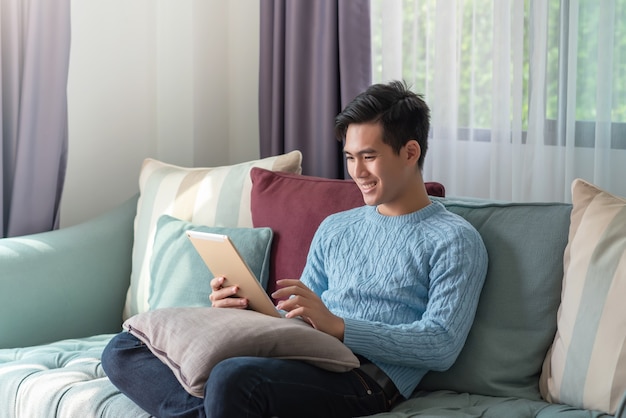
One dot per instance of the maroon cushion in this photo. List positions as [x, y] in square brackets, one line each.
[293, 206]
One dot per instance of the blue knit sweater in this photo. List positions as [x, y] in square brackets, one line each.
[406, 286]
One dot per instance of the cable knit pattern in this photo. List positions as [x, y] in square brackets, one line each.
[407, 286]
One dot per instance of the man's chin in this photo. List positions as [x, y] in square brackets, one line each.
[370, 200]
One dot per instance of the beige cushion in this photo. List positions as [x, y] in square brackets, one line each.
[586, 365]
[211, 196]
[193, 340]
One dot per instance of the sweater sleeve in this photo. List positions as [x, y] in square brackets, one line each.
[313, 275]
[433, 342]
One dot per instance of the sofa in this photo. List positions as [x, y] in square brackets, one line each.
[65, 293]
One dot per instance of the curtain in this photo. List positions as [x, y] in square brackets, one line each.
[314, 59]
[34, 59]
[525, 96]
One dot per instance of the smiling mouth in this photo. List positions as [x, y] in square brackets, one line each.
[367, 186]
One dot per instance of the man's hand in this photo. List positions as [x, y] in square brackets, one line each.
[224, 297]
[303, 302]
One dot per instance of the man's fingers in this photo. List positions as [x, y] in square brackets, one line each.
[216, 283]
[223, 293]
[288, 287]
[240, 303]
[288, 282]
[225, 297]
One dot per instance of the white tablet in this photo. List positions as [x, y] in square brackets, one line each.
[222, 258]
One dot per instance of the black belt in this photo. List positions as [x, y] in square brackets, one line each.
[386, 384]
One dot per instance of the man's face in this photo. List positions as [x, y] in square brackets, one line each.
[382, 175]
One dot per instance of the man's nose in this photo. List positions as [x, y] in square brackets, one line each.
[359, 168]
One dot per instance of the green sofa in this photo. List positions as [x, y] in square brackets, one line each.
[62, 295]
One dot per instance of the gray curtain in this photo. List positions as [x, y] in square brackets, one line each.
[34, 60]
[315, 57]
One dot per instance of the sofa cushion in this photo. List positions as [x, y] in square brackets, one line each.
[65, 379]
[179, 277]
[450, 404]
[516, 317]
[190, 341]
[61, 379]
[212, 196]
[586, 365]
[567, 411]
[294, 206]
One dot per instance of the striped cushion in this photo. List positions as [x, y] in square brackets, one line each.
[216, 196]
[61, 379]
[586, 366]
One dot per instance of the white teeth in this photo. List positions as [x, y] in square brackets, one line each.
[368, 185]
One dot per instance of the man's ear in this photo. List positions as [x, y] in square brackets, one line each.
[413, 150]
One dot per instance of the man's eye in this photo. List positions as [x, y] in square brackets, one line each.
[369, 157]
[349, 157]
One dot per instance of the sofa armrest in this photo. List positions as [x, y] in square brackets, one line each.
[67, 283]
[621, 408]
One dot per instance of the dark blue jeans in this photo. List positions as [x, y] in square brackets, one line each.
[240, 387]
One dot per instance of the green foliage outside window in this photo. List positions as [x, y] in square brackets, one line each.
[474, 49]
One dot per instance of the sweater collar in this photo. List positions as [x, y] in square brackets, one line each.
[409, 218]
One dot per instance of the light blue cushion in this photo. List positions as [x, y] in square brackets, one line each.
[179, 277]
[61, 379]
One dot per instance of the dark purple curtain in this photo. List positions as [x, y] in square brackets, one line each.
[34, 63]
[315, 58]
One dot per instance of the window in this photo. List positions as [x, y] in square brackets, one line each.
[577, 54]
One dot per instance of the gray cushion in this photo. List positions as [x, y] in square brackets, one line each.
[516, 317]
[190, 341]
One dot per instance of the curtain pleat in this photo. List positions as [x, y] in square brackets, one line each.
[34, 60]
[314, 59]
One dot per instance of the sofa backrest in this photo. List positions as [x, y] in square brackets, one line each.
[515, 322]
[516, 318]
[293, 206]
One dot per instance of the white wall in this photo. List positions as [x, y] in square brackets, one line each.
[172, 80]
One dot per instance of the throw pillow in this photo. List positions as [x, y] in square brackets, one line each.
[515, 321]
[191, 341]
[217, 196]
[586, 365]
[293, 206]
[179, 277]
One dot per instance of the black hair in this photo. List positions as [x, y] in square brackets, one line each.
[404, 115]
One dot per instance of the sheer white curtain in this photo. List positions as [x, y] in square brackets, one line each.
[525, 95]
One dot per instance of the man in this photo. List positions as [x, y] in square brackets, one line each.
[397, 280]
